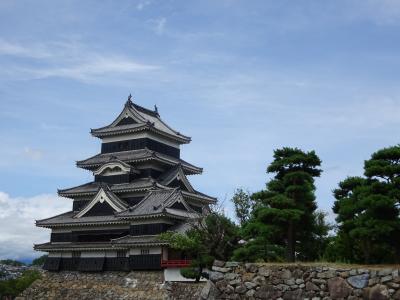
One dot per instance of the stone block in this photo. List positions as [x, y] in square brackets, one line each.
[219, 269]
[358, 281]
[231, 264]
[215, 276]
[338, 288]
[264, 271]
[311, 286]
[267, 292]
[241, 289]
[219, 263]
[386, 278]
[250, 267]
[378, 292]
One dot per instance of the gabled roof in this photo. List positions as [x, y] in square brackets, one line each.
[104, 195]
[176, 173]
[136, 156]
[160, 201]
[114, 163]
[143, 119]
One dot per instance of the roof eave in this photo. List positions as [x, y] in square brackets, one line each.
[179, 138]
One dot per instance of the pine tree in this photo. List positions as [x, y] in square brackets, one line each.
[285, 212]
[367, 210]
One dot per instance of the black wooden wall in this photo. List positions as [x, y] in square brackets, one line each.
[137, 144]
[97, 264]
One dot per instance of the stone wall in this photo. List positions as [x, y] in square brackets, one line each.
[263, 281]
[105, 285]
[184, 290]
[109, 285]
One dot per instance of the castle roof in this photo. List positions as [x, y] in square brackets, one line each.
[137, 156]
[135, 118]
[160, 202]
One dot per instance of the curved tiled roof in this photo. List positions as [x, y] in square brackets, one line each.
[91, 188]
[67, 218]
[135, 156]
[159, 202]
[143, 240]
[146, 120]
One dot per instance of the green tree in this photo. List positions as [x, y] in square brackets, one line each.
[284, 215]
[212, 237]
[39, 261]
[13, 287]
[367, 211]
[12, 262]
[243, 205]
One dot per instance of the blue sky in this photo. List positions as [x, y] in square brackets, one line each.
[240, 77]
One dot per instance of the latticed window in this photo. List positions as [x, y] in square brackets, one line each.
[76, 254]
[145, 251]
[121, 253]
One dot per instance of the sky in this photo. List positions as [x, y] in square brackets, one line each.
[242, 78]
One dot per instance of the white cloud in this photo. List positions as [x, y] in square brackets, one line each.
[33, 154]
[17, 223]
[158, 25]
[14, 49]
[67, 59]
[142, 4]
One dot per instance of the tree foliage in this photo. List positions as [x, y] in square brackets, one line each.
[13, 287]
[243, 205]
[212, 237]
[284, 218]
[39, 261]
[367, 211]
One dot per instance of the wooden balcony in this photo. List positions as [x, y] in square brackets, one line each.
[175, 263]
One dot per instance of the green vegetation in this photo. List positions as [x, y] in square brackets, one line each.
[39, 261]
[367, 211]
[14, 287]
[284, 220]
[213, 237]
[12, 262]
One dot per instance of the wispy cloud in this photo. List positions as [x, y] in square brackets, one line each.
[142, 4]
[33, 154]
[17, 218]
[20, 50]
[67, 60]
[158, 25]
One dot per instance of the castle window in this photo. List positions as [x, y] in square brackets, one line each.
[76, 254]
[145, 251]
[121, 253]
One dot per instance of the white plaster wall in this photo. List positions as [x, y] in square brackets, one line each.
[93, 254]
[111, 253]
[67, 254]
[55, 254]
[137, 251]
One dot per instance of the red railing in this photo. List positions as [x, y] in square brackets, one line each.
[176, 263]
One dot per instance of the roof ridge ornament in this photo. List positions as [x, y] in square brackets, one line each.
[156, 110]
[129, 101]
